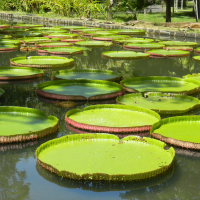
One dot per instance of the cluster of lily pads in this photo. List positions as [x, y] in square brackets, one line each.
[135, 112]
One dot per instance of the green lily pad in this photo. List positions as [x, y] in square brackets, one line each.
[53, 31]
[26, 26]
[33, 40]
[1, 92]
[61, 35]
[90, 33]
[124, 55]
[131, 32]
[3, 26]
[41, 61]
[73, 27]
[79, 89]
[62, 50]
[134, 40]
[177, 43]
[91, 74]
[195, 77]
[180, 131]
[20, 124]
[53, 44]
[26, 34]
[162, 103]
[168, 53]
[5, 36]
[9, 42]
[72, 40]
[105, 157]
[108, 37]
[86, 29]
[8, 47]
[196, 58]
[94, 43]
[19, 73]
[184, 48]
[143, 46]
[13, 30]
[40, 29]
[112, 118]
[160, 84]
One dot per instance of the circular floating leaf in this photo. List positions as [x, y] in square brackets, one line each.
[181, 131]
[53, 31]
[41, 61]
[195, 77]
[26, 34]
[3, 26]
[1, 92]
[54, 44]
[112, 118]
[143, 46]
[73, 27]
[9, 42]
[33, 40]
[177, 43]
[61, 35]
[161, 102]
[108, 37]
[124, 55]
[196, 58]
[131, 32]
[103, 157]
[8, 47]
[94, 43]
[73, 40]
[86, 29]
[79, 89]
[13, 30]
[26, 26]
[5, 36]
[134, 40]
[168, 53]
[160, 84]
[185, 48]
[91, 74]
[21, 124]
[62, 50]
[40, 29]
[90, 33]
[19, 73]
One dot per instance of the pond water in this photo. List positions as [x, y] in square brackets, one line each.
[22, 178]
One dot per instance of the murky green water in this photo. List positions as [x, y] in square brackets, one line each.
[21, 178]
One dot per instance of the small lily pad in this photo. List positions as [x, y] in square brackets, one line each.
[161, 103]
[160, 84]
[124, 55]
[182, 131]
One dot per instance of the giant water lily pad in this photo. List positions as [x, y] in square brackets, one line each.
[26, 34]
[168, 53]
[90, 33]
[108, 37]
[52, 31]
[195, 77]
[13, 30]
[181, 131]
[184, 48]
[131, 32]
[62, 50]
[61, 35]
[94, 43]
[41, 29]
[134, 40]
[54, 44]
[112, 118]
[9, 41]
[1, 92]
[91, 74]
[105, 157]
[72, 40]
[143, 46]
[79, 89]
[196, 58]
[21, 124]
[124, 55]
[33, 40]
[162, 103]
[41, 61]
[73, 27]
[3, 26]
[8, 47]
[86, 29]
[160, 84]
[19, 73]
[5, 37]
[178, 43]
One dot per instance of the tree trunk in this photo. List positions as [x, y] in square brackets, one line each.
[110, 14]
[182, 4]
[168, 10]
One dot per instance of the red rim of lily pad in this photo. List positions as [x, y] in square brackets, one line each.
[71, 40]
[108, 129]
[9, 48]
